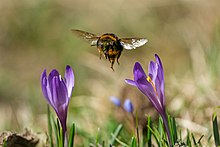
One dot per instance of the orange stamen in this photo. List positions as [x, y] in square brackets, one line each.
[152, 84]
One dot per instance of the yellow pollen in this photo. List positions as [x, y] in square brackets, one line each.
[152, 84]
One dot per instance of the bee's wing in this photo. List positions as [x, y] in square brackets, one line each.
[132, 43]
[91, 38]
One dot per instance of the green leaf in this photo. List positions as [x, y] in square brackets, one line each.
[155, 134]
[188, 140]
[137, 131]
[171, 129]
[133, 142]
[49, 126]
[4, 142]
[174, 130]
[98, 137]
[199, 141]
[60, 134]
[55, 130]
[149, 124]
[161, 131]
[72, 135]
[116, 133]
[119, 141]
[215, 129]
[193, 138]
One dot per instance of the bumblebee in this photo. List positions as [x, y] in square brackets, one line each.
[109, 45]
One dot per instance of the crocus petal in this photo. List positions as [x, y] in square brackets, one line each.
[69, 79]
[52, 74]
[115, 101]
[160, 80]
[45, 88]
[130, 82]
[160, 68]
[152, 71]
[139, 72]
[62, 115]
[44, 84]
[146, 88]
[59, 92]
[128, 106]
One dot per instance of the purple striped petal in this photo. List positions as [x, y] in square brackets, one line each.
[146, 88]
[139, 72]
[44, 84]
[52, 74]
[59, 92]
[152, 70]
[45, 88]
[69, 79]
[130, 82]
[62, 115]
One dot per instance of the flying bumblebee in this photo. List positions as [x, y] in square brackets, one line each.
[109, 44]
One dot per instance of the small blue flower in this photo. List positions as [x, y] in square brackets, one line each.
[128, 106]
[115, 101]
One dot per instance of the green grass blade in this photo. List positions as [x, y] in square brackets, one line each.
[4, 142]
[116, 133]
[171, 129]
[215, 129]
[194, 140]
[157, 136]
[72, 135]
[136, 126]
[60, 134]
[49, 126]
[98, 137]
[188, 140]
[119, 141]
[55, 130]
[149, 133]
[199, 141]
[174, 129]
[133, 142]
[161, 131]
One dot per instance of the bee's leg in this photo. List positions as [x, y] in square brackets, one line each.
[112, 63]
[100, 54]
[118, 61]
[112, 68]
[119, 54]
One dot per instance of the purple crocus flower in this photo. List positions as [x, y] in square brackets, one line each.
[152, 86]
[57, 92]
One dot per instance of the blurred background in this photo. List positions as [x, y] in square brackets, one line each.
[35, 35]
